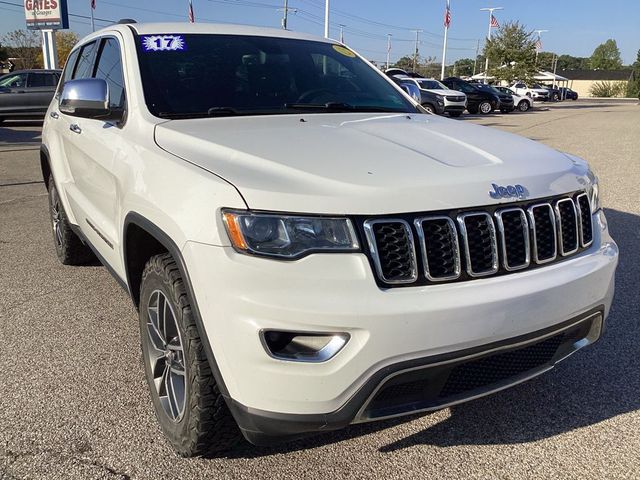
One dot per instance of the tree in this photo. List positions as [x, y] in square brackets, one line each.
[633, 87]
[405, 63]
[512, 53]
[606, 56]
[463, 67]
[24, 46]
[569, 62]
[65, 42]
[545, 61]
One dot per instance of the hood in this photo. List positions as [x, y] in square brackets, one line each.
[355, 163]
[446, 92]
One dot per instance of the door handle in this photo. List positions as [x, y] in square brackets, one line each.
[75, 128]
[54, 115]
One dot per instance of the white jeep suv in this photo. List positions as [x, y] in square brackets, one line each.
[305, 248]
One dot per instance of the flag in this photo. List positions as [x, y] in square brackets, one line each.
[539, 44]
[447, 15]
[93, 4]
[192, 17]
[494, 22]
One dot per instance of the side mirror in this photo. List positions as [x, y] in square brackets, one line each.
[87, 98]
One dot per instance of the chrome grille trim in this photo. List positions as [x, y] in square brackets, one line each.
[423, 247]
[581, 226]
[373, 247]
[503, 242]
[560, 227]
[534, 237]
[494, 247]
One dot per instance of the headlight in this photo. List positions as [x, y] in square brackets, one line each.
[288, 236]
[594, 195]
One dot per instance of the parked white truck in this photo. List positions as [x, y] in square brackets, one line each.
[306, 248]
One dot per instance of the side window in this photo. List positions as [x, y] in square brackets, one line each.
[84, 68]
[18, 80]
[70, 65]
[109, 68]
[42, 80]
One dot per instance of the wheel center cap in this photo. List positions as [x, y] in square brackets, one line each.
[169, 355]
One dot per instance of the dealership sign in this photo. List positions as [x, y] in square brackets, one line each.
[46, 14]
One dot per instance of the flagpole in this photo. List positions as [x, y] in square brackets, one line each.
[93, 23]
[486, 63]
[326, 19]
[444, 46]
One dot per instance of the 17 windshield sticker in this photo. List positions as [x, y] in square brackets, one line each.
[163, 43]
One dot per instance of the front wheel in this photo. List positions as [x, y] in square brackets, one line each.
[429, 108]
[556, 97]
[524, 106]
[485, 108]
[186, 398]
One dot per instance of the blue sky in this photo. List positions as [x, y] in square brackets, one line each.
[575, 27]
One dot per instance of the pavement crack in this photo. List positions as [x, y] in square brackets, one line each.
[19, 199]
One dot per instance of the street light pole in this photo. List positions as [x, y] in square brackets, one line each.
[447, 18]
[326, 19]
[486, 63]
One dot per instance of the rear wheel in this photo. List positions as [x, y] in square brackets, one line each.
[556, 97]
[485, 108]
[523, 106]
[69, 247]
[188, 404]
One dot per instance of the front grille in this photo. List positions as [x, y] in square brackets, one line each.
[453, 98]
[462, 245]
[391, 241]
[567, 219]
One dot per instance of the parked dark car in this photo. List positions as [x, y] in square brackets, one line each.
[27, 93]
[568, 94]
[555, 95]
[506, 104]
[478, 100]
[430, 101]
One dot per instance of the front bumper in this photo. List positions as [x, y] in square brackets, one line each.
[239, 295]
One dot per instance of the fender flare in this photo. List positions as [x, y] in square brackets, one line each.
[134, 218]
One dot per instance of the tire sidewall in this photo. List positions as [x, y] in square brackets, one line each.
[176, 431]
[523, 106]
[481, 110]
[53, 197]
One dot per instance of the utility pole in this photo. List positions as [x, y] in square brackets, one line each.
[486, 63]
[388, 49]
[415, 53]
[539, 42]
[475, 60]
[285, 14]
[326, 19]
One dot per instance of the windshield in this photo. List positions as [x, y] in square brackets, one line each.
[431, 85]
[194, 75]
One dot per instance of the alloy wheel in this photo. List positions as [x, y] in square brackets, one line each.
[166, 356]
[56, 218]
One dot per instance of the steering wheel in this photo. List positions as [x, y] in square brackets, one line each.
[313, 94]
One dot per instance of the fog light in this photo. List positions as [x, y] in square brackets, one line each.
[303, 346]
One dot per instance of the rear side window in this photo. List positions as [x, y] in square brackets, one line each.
[84, 69]
[43, 80]
[109, 68]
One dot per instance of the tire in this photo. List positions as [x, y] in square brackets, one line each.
[69, 248]
[429, 108]
[455, 114]
[485, 108]
[556, 97]
[523, 106]
[197, 421]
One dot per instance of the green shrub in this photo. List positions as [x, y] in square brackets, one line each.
[608, 89]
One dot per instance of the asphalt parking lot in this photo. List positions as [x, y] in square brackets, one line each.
[74, 402]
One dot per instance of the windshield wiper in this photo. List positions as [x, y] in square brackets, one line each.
[337, 107]
[220, 111]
